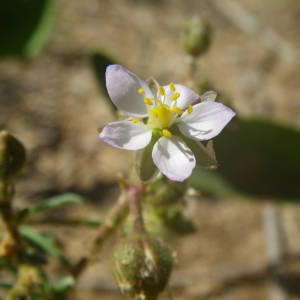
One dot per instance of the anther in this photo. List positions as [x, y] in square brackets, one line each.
[148, 101]
[162, 91]
[141, 91]
[177, 109]
[135, 120]
[190, 109]
[153, 112]
[167, 133]
[172, 87]
[175, 96]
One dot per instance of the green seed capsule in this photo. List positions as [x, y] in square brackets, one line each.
[142, 266]
[196, 37]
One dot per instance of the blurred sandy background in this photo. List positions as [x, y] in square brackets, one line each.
[52, 104]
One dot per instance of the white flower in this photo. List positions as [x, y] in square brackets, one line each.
[162, 119]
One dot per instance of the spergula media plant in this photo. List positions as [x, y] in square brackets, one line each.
[165, 125]
[170, 128]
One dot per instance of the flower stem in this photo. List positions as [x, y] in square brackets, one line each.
[192, 69]
[8, 217]
[136, 208]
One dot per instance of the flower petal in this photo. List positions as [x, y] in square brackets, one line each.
[206, 121]
[173, 158]
[126, 135]
[122, 86]
[186, 96]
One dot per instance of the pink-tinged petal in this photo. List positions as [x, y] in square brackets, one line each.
[122, 86]
[186, 96]
[173, 158]
[126, 135]
[206, 120]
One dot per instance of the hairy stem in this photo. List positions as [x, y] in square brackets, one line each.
[136, 208]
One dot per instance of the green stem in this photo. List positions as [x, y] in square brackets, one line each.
[192, 69]
[8, 216]
[136, 209]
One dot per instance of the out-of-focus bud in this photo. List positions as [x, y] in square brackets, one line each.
[7, 247]
[12, 156]
[142, 266]
[164, 191]
[29, 281]
[196, 37]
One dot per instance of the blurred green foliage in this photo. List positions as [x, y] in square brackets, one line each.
[99, 61]
[257, 157]
[40, 241]
[25, 26]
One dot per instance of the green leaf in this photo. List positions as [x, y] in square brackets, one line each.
[64, 284]
[205, 155]
[212, 183]
[54, 202]
[145, 168]
[6, 285]
[175, 219]
[99, 61]
[257, 157]
[41, 241]
[7, 264]
[25, 26]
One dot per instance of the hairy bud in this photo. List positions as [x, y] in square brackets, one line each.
[142, 267]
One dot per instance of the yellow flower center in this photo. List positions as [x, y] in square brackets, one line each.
[162, 116]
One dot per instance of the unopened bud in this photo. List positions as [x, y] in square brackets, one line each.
[12, 156]
[142, 267]
[7, 247]
[29, 283]
[164, 191]
[196, 37]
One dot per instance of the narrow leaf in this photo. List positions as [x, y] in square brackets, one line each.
[42, 241]
[99, 61]
[25, 26]
[55, 202]
[64, 284]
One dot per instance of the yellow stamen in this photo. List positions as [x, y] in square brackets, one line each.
[167, 133]
[175, 96]
[177, 109]
[153, 112]
[148, 101]
[161, 116]
[141, 91]
[135, 120]
[190, 109]
[172, 87]
[162, 91]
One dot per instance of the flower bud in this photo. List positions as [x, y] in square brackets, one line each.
[28, 284]
[196, 37]
[12, 156]
[7, 247]
[164, 191]
[142, 266]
